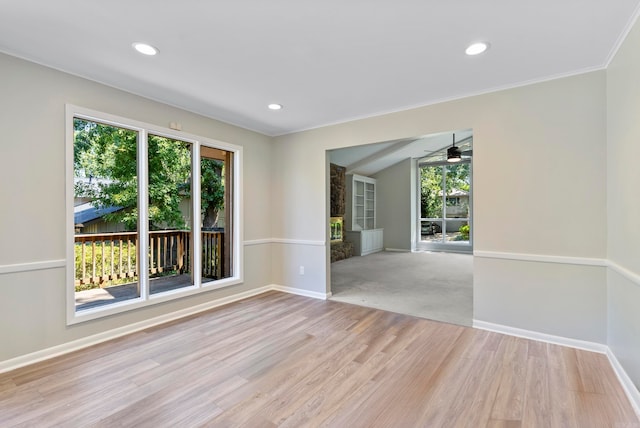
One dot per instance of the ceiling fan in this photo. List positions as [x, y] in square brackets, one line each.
[454, 154]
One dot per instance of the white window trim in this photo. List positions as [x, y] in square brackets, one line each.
[443, 246]
[145, 299]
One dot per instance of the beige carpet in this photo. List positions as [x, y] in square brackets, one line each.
[432, 285]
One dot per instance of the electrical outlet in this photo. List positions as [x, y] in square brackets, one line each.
[301, 270]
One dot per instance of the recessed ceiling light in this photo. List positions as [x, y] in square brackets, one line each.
[275, 106]
[477, 48]
[145, 49]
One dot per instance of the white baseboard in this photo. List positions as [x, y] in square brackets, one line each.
[398, 250]
[627, 384]
[542, 337]
[85, 342]
[300, 292]
[625, 381]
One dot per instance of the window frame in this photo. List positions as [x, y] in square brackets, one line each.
[443, 245]
[146, 298]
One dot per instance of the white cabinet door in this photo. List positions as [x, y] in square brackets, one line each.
[371, 241]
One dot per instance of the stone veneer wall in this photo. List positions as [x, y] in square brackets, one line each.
[338, 190]
[339, 250]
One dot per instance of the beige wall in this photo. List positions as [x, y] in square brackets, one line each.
[623, 203]
[32, 173]
[394, 207]
[534, 143]
[543, 145]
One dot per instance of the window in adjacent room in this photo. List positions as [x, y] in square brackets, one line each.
[445, 200]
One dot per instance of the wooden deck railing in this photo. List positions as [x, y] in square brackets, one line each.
[104, 258]
[212, 254]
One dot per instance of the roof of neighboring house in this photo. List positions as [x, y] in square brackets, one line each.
[455, 192]
[458, 192]
[85, 213]
[85, 186]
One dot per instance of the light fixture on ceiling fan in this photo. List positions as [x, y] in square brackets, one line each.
[453, 153]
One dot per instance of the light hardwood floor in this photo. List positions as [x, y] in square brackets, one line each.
[290, 361]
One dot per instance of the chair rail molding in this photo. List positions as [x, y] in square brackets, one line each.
[542, 258]
[33, 266]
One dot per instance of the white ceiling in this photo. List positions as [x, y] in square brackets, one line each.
[369, 159]
[326, 61]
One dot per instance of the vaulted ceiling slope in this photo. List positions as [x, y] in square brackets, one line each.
[325, 61]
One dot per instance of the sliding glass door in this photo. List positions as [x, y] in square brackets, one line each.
[445, 206]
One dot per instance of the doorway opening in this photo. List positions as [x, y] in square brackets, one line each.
[423, 206]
